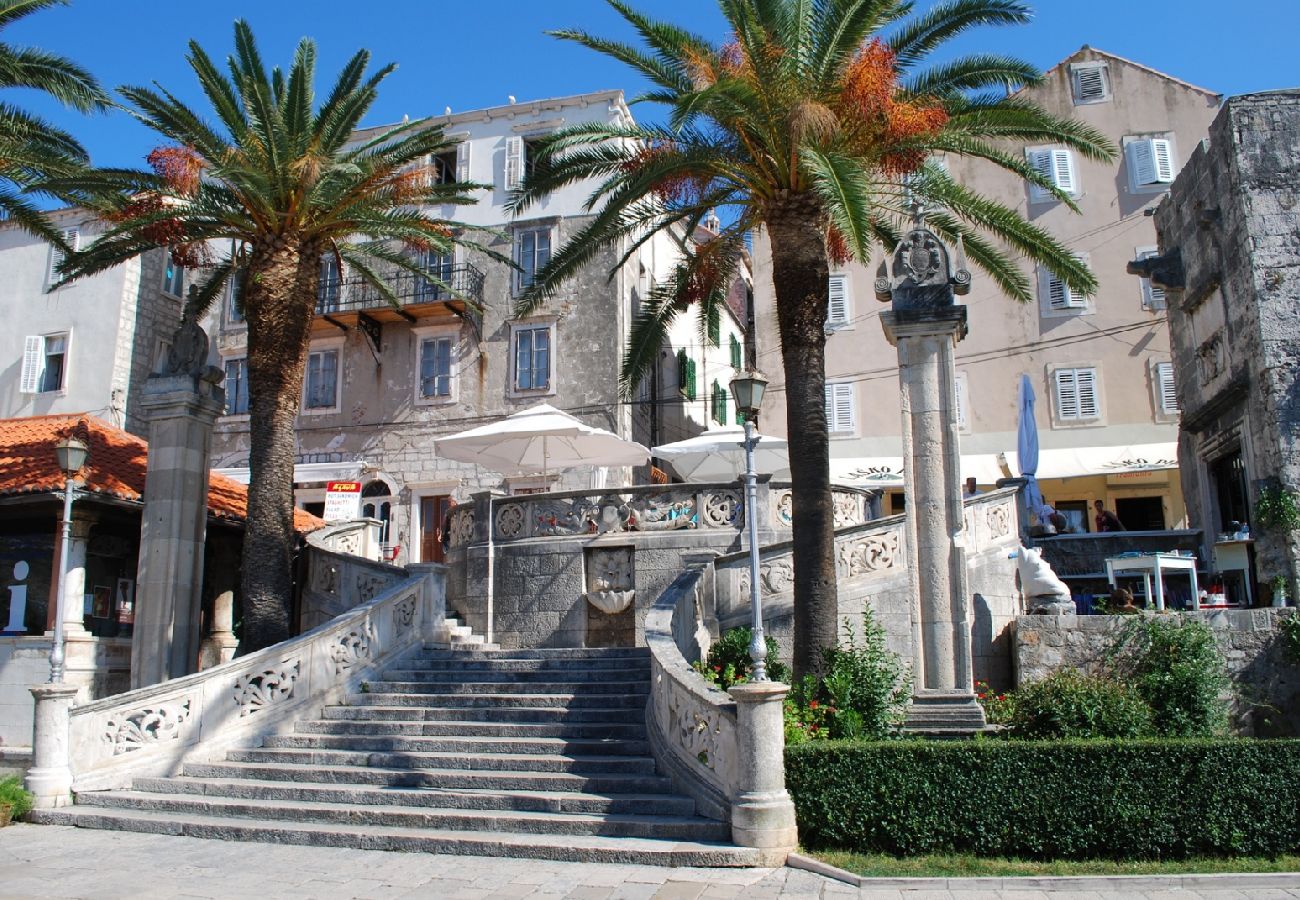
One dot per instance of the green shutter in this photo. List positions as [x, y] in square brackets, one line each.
[715, 328]
[688, 385]
[735, 353]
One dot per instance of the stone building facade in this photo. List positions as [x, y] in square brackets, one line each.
[89, 346]
[1099, 366]
[383, 383]
[1230, 261]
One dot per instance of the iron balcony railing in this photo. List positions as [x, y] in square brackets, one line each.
[353, 294]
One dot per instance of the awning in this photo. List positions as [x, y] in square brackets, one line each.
[887, 471]
[307, 473]
[1075, 462]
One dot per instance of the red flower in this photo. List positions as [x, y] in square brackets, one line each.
[812, 705]
[717, 668]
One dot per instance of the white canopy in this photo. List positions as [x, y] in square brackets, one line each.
[887, 471]
[540, 439]
[1073, 462]
[307, 473]
[719, 455]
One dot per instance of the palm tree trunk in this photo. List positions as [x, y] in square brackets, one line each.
[279, 303]
[800, 276]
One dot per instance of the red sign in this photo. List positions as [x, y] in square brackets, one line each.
[342, 501]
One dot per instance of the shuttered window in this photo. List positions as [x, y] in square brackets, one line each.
[1091, 83]
[237, 387]
[33, 363]
[837, 310]
[1076, 394]
[462, 161]
[719, 404]
[839, 408]
[45, 361]
[1057, 166]
[686, 375]
[514, 163]
[736, 361]
[1166, 395]
[1151, 162]
[72, 237]
[1153, 296]
[1057, 296]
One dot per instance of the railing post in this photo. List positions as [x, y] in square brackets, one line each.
[762, 813]
[50, 777]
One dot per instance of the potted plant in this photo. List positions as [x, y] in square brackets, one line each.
[1279, 586]
[14, 801]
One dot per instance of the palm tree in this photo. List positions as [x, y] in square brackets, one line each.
[31, 148]
[816, 121]
[286, 185]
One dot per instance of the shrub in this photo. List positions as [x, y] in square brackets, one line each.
[862, 692]
[729, 663]
[998, 708]
[12, 794]
[1145, 799]
[1175, 666]
[1067, 704]
[1277, 507]
[1290, 628]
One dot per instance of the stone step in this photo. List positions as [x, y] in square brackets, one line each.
[473, 745]
[496, 676]
[404, 727]
[691, 828]
[498, 685]
[501, 700]
[491, 762]
[445, 779]
[442, 798]
[576, 848]
[465, 662]
[431, 651]
[520, 715]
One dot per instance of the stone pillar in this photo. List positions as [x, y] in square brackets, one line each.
[220, 643]
[925, 325]
[181, 404]
[762, 813]
[74, 585]
[50, 778]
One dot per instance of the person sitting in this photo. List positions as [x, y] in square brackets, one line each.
[970, 490]
[1121, 603]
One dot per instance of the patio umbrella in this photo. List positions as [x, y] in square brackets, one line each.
[1027, 446]
[537, 440]
[719, 455]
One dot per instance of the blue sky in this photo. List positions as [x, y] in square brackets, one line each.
[473, 54]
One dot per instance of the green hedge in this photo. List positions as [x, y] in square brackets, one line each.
[1148, 799]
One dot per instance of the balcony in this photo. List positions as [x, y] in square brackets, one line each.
[352, 302]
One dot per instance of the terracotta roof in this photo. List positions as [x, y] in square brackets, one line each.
[116, 467]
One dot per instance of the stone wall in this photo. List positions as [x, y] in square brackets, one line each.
[1266, 680]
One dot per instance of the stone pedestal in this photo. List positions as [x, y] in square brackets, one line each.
[181, 409]
[50, 779]
[762, 813]
[74, 584]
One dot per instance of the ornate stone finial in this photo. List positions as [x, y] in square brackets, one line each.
[188, 354]
[920, 275]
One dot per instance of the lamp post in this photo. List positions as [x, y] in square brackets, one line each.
[747, 390]
[71, 454]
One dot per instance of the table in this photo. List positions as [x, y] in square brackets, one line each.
[1157, 564]
[1234, 556]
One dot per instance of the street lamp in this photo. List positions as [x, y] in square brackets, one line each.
[747, 390]
[71, 454]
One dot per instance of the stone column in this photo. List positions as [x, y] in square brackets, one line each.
[762, 813]
[181, 404]
[74, 585]
[50, 778]
[220, 643]
[925, 325]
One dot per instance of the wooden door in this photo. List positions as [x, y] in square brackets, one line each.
[433, 516]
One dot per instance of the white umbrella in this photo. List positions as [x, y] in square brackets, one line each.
[719, 455]
[535, 440]
[539, 440]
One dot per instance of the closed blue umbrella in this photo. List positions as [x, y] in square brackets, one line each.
[1027, 446]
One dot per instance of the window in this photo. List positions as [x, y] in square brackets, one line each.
[961, 396]
[1150, 164]
[235, 297]
[173, 277]
[1057, 297]
[714, 327]
[45, 363]
[1166, 395]
[1076, 394]
[737, 362]
[839, 408]
[72, 237]
[322, 392]
[521, 156]
[1091, 83]
[330, 289]
[718, 404]
[445, 166]
[533, 358]
[1057, 166]
[837, 311]
[435, 368]
[440, 268]
[685, 375]
[237, 387]
[1153, 296]
[532, 253]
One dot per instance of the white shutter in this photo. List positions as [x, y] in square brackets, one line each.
[462, 161]
[839, 408]
[1153, 296]
[1063, 171]
[1142, 159]
[1085, 381]
[1058, 294]
[33, 364]
[72, 236]
[961, 395]
[1067, 398]
[1041, 160]
[514, 162]
[1090, 84]
[1163, 151]
[837, 312]
[1165, 391]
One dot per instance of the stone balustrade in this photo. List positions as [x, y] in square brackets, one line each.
[337, 581]
[359, 537]
[151, 731]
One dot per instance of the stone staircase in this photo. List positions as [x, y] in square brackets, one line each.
[524, 753]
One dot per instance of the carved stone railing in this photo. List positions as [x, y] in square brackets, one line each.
[153, 730]
[359, 537]
[723, 751]
[640, 509]
[337, 581]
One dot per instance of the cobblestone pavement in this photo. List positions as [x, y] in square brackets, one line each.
[51, 861]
